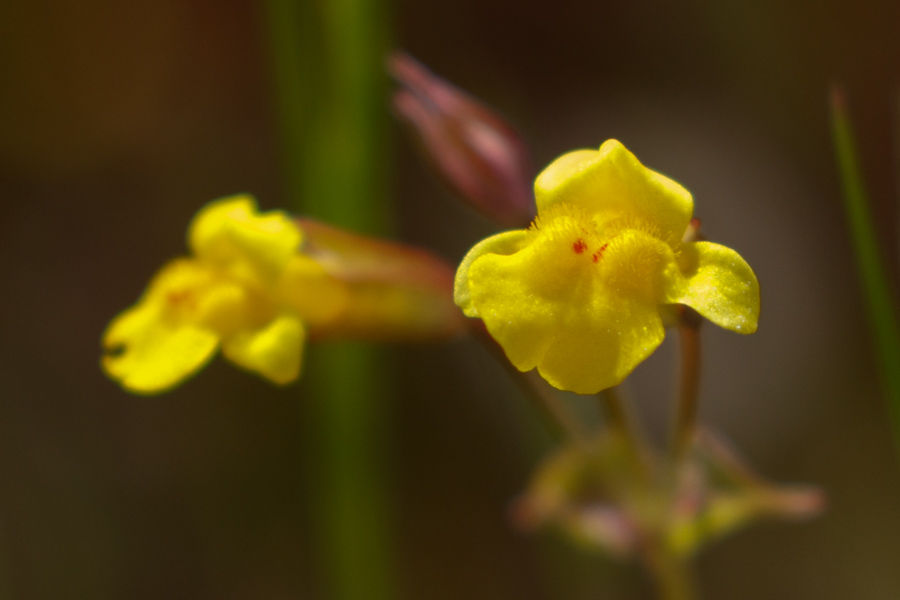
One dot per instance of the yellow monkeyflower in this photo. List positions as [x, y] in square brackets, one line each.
[225, 295]
[256, 287]
[582, 293]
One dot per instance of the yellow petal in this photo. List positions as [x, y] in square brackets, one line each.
[231, 234]
[506, 243]
[275, 351]
[719, 284]
[147, 353]
[190, 292]
[553, 311]
[613, 184]
[226, 307]
[179, 284]
[310, 292]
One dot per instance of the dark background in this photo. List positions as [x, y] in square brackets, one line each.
[119, 120]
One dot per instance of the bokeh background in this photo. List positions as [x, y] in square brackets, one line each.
[119, 120]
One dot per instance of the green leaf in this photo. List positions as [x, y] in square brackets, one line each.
[880, 305]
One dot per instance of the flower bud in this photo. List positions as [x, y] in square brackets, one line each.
[478, 154]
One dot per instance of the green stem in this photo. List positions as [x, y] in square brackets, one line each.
[672, 574]
[619, 422]
[330, 91]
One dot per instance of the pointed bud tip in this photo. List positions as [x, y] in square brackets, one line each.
[403, 67]
[802, 502]
[838, 98]
[480, 156]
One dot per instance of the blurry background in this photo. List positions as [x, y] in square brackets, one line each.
[119, 120]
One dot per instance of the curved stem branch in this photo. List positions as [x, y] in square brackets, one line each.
[538, 390]
[619, 422]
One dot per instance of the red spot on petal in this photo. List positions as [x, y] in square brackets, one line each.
[178, 296]
[182, 298]
[599, 253]
[579, 246]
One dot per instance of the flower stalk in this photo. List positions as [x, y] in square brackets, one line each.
[672, 574]
[689, 385]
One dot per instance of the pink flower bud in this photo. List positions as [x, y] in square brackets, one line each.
[478, 154]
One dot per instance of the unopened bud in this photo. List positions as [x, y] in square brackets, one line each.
[479, 155]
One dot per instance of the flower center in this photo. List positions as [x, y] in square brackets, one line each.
[569, 229]
[623, 254]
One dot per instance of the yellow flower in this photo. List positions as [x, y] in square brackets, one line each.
[256, 287]
[582, 293]
[224, 295]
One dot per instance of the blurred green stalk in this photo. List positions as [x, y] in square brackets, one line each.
[331, 89]
[876, 291]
